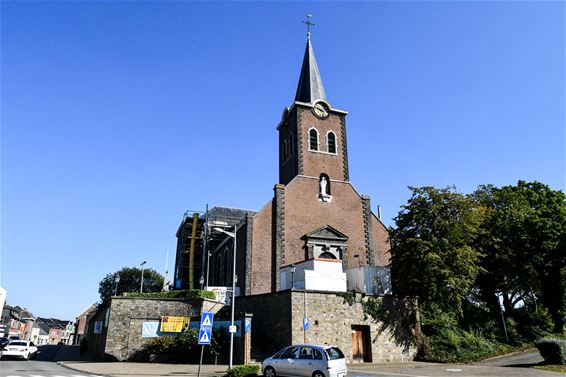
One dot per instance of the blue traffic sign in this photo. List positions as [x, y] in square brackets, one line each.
[204, 335]
[306, 324]
[248, 325]
[206, 319]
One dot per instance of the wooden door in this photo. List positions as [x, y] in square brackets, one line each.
[357, 346]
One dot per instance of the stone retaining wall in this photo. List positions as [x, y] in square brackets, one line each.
[278, 321]
[127, 314]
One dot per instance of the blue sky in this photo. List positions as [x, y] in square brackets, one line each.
[117, 117]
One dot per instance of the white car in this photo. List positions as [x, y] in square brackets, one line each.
[306, 360]
[19, 349]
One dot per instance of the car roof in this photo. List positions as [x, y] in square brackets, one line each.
[312, 345]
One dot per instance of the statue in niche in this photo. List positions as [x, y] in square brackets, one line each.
[324, 189]
[323, 186]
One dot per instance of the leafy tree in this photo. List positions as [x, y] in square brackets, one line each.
[130, 281]
[524, 248]
[431, 252]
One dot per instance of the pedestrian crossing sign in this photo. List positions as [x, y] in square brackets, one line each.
[205, 335]
[206, 319]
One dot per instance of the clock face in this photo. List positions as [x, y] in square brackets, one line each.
[320, 109]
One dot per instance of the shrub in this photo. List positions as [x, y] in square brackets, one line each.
[181, 293]
[243, 371]
[181, 349]
[450, 345]
[552, 350]
[533, 324]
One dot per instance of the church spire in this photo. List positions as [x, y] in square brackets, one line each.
[310, 87]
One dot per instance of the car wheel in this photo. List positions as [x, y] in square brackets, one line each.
[318, 374]
[269, 372]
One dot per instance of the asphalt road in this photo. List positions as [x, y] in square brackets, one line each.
[35, 368]
[517, 365]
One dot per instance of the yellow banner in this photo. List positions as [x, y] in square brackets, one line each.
[174, 324]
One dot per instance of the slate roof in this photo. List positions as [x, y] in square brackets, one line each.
[230, 215]
[310, 89]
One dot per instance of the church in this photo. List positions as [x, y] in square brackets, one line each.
[315, 242]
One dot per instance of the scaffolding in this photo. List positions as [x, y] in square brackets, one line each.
[197, 243]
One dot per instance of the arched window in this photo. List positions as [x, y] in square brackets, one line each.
[313, 139]
[331, 142]
[291, 144]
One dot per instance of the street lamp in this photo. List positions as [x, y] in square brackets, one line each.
[116, 280]
[293, 268]
[141, 286]
[232, 330]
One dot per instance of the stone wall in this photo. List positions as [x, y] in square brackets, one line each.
[127, 314]
[271, 321]
[278, 321]
[331, 319]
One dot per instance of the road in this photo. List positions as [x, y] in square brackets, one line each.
[509, 366]
[36, 368]
[45, 366]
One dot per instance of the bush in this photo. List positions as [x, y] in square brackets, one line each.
[243, 371]
[181, 349]
[451, 345]
[181, 293]
[552, 350]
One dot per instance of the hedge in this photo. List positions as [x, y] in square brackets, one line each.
[243, 371]
[552, 350]
[182, 293]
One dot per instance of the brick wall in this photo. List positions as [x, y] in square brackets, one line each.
[261, 254]
[304, 213]
[314, 163]
[381, 242]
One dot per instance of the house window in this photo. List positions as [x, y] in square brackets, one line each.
[331, 142]
[313, 139]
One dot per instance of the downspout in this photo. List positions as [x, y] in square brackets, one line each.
[192, 252]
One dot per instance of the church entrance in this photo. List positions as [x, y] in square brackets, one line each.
[361, 345]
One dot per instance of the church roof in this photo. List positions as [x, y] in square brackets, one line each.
[310, 87]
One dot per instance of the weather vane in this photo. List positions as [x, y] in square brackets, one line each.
[309, 24]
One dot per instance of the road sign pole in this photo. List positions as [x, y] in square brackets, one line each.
[204, 333]
[200, 362]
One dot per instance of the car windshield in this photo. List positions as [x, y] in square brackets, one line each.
[18, 343]
[334, 353]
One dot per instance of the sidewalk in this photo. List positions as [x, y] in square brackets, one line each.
[123, 369]
[69, 356]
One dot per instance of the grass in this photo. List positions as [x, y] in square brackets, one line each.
[552, 368]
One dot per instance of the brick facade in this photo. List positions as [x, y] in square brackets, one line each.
[280, 226]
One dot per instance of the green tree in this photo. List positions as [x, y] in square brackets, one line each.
[524, 248]
[431, 252]
[130, 281]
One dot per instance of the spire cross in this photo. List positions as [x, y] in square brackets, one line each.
[309, 24]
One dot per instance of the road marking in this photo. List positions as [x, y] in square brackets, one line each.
[453, 370]
[384, 373]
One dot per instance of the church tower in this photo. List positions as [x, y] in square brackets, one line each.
[317, 230]
[312, 134]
